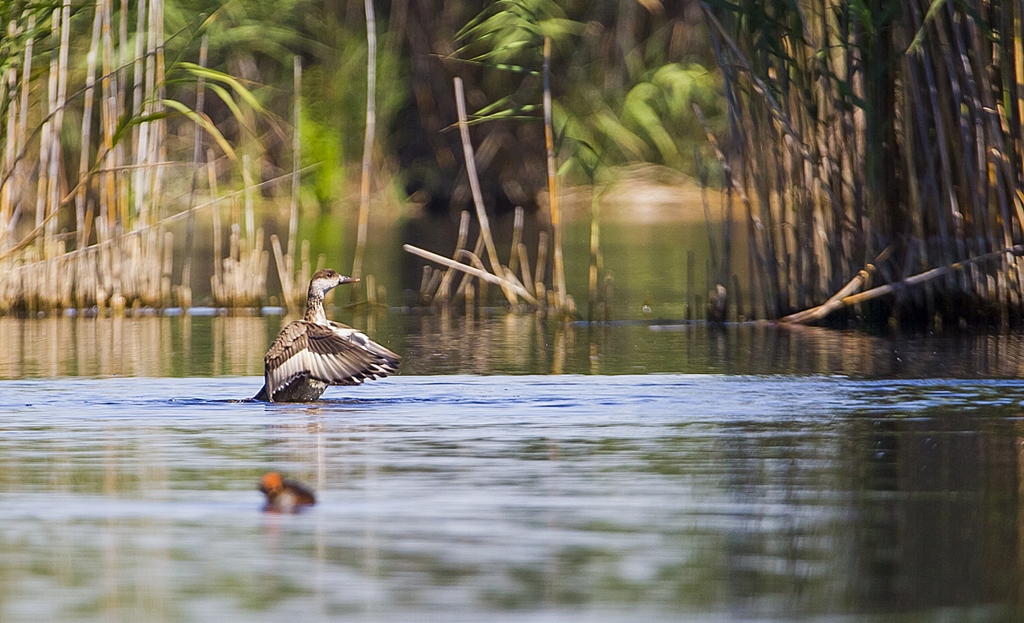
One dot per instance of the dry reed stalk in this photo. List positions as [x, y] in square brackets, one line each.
[250, 215]
[45, 141]
[60, 98]
[293, 207]
[470, 301]
[443, 294]
[474, 185]
[517, 237]
[159, 145]
[82, 226]
[594, 299]
[10, 149]
[524, 265]
[185, 291]
[539, 289]
[558, 275]
[282, 274]
[371, 123]
[478, 248]
[218, 236]
[476, 271]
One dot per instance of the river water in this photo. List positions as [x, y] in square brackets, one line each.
[516, 470]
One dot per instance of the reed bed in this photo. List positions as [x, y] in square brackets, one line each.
[870, 144]
[514, 277]
[94, 231]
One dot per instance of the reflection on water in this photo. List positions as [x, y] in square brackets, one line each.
[525, 344]
[668, 473]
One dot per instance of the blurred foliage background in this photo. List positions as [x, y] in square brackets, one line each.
[625, 77]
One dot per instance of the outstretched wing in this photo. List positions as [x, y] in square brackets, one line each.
[336, 355]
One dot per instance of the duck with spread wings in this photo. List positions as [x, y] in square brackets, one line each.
[314, 353]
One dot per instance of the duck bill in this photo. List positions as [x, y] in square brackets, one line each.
[345, 280]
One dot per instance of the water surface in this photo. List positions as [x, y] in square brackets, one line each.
[752, 474]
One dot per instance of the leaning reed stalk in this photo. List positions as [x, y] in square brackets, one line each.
[474, 185]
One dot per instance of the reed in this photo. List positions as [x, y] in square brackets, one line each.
[876, 130]
[371, 124]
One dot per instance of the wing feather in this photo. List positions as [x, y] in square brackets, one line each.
[335, 354]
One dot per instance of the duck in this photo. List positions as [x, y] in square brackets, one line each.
[311, 354]
[283, 495]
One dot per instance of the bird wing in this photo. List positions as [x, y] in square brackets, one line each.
[336, 355]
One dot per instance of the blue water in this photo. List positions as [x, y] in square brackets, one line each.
[655, 497]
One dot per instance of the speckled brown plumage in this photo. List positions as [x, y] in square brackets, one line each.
[313, 353]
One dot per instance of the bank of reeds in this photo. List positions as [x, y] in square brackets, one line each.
[85, 223]
[872, 142]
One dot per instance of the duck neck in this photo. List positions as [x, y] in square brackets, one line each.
[315, 307]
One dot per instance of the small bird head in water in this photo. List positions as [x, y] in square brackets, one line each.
[327, 278]
[284, 496]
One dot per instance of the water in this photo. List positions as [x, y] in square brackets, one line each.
[670, 474]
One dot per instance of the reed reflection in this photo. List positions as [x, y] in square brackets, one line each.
[444, 343]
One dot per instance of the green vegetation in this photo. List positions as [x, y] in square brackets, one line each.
[858, 143]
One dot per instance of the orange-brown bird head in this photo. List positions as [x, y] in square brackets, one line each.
[285, 496]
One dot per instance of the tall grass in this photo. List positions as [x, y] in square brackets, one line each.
[871, 142]
[84, 214]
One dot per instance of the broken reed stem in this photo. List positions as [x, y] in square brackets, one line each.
[558, 277]
[891, 288]
[478, 248]
[470, 270]
[371, 122]
[474, 185]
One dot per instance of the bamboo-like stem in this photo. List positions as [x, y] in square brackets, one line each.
[197, 154]
[83, 165]
[371, 124]
[46, 141]
[540, 290]
[293, 208]
[518, 219]
[53, 179]
[7, 184]
[474, 185]
[159, 144]
[286, 282]
[444, 290]
[218, 237]
[595, 257]
[524, 265]
[558, 276]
